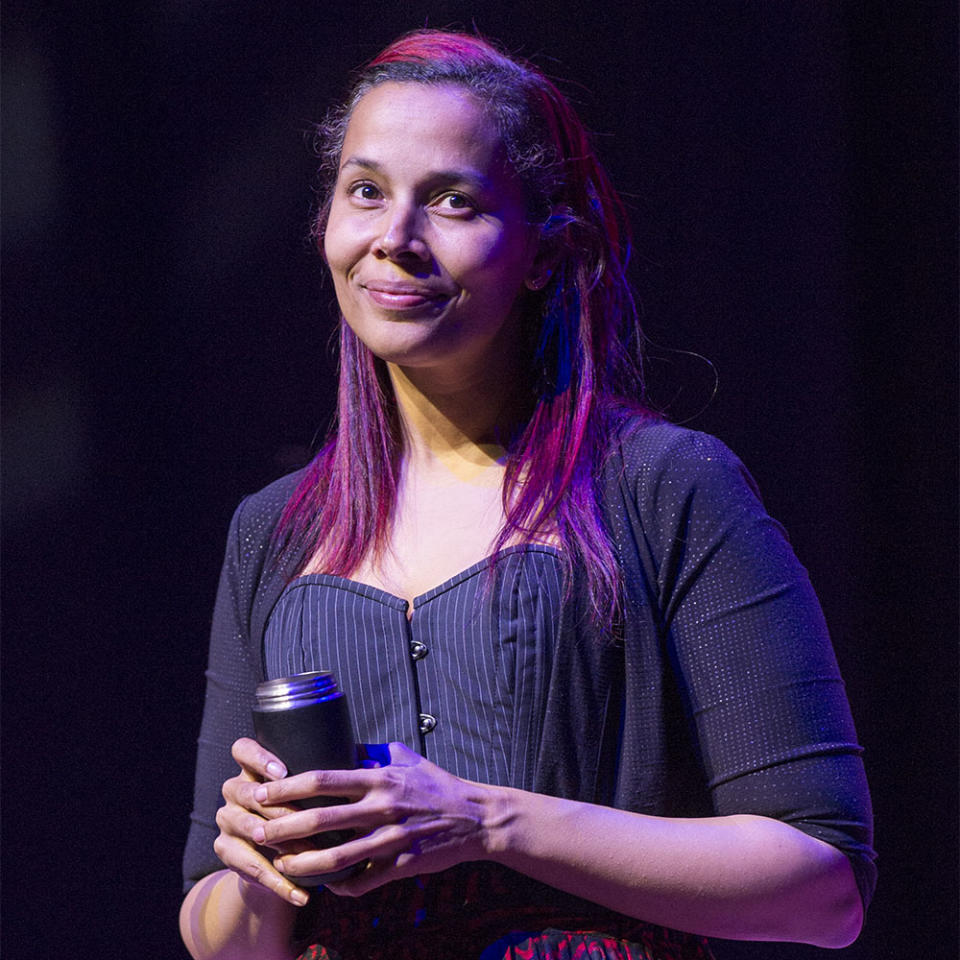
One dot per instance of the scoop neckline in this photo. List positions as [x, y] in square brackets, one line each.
[401, 603]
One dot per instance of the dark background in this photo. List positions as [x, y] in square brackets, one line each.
[789, 168]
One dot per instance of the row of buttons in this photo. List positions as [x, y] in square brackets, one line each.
[418, 651]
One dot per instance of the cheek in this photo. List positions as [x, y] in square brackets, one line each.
[337, 255]
[341, 244]
[499, 255]
[503, 271]
[332, 249]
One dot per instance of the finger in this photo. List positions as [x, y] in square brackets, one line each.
[245, 861]
[292, 847]
[372, 876]
[238, 820]
[235, 821]
[351, 784]
[257, 760]
[398, 856]
[308, 823]
[383, 845]
[241, 791]
[364, 881]
[362, 817]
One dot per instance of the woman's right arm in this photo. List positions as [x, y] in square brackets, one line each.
[224, 915]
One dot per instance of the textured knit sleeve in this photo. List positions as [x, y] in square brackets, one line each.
[231, 680]
[750, 649]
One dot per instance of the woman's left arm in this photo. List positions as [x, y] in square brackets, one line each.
[740, 877]
[772, 732]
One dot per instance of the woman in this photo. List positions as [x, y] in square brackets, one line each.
[614, 709]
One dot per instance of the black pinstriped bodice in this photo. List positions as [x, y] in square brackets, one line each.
[459, 681]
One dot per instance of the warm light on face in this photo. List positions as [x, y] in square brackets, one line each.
[427, 238]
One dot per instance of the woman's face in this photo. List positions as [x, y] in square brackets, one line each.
[427, 238]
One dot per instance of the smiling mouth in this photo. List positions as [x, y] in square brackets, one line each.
[403, 297]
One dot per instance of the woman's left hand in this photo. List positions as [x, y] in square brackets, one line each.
[410, 818]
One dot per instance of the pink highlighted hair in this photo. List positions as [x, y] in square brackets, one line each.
[581, 331]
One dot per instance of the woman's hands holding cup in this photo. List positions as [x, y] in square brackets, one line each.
[409, 816]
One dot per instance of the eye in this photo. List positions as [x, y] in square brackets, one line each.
[455, 204]
[364, 191]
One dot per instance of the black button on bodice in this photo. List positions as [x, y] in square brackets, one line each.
[418, 650]
[427, 722]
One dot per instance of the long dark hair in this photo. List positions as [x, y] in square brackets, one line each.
[581, 334]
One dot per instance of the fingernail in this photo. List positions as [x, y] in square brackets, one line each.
[299, 898]
[260, 794]
[276, 770]
[259, 835]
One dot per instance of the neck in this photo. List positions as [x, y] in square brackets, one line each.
[460, 423]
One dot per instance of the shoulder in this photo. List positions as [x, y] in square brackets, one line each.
[250, 540]
[672, 482]
[650, 452]
[249, 563]
[258, 513]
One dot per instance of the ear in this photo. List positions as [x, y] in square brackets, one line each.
[548, 252]
[539, 281]
[543, 266]
[542, 269]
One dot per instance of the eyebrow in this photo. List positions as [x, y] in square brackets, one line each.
[476, 180]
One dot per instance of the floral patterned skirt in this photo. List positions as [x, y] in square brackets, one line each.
[480, 912]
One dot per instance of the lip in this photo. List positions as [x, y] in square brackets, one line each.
[397, 295]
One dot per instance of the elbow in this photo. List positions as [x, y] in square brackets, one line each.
[840, 919]
[847, 923]
[843, 929]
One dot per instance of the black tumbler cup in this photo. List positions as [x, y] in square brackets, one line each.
[305, 721]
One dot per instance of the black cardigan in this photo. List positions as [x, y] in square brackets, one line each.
[722, 696]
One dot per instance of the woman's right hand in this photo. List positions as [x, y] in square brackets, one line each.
[241, 821]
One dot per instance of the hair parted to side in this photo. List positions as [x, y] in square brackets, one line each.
[581, 332]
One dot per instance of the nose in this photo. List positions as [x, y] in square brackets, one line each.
[401, 235]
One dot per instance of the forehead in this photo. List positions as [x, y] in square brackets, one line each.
[419, 123]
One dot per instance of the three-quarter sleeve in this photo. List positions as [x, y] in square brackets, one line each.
[230, 682]
[750, 651]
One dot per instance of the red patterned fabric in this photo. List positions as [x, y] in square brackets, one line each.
[481, 912]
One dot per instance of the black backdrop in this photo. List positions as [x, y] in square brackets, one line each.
[789, 168]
